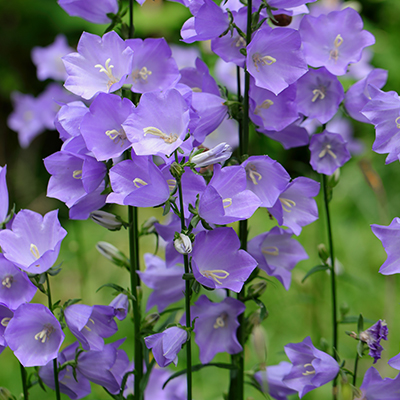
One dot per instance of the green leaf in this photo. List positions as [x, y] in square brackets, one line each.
[317, 268]
[353, 319]
[198, 367]
[263, 309]
[119, 289]
[360, 348]
[360, 324]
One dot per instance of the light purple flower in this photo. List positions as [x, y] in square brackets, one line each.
[292, 136]
[34, 335]
[274, 58]
[91, 10]
[335, 40]
[311, 367]
[328, 152]
[120, 304]
[68, 119]
[3, 195]
[373, 336]
[48, 59]
[101, 64]
[216, 326]
[277, 254]
[33, 243]
[218, 262]
[376, 388]
[166, 345]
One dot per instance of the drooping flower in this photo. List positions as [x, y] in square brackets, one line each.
[311, 367]
[33, 243]
[373, 336]
[218, 262]
[121, 306]
[335, 40]
[34, 335]
[217, 154]
[376, 388]
[216, 326]
[166, 345]
[91, 10]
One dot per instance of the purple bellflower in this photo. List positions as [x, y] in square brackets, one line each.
[153, 68]
[34, 335]
[311, 367]
[376, 388]
[390, 238]
[167, 283]
[216, 326]
[373, 336]
[217, 154]
[5, 316]
[277, 254]
[3, 195]
[48, 59]
[328, 152]
[271, 382]
[33, 243]
[335, 40]
[218, 262]
[166, 345]
[74, 389]
[100, 65]
[296, 207]
[274, 58]
[90, 324]
[319, 94]
[16, 288]
[101, 127]
[91, 10]
[121, 306]
[68, 119]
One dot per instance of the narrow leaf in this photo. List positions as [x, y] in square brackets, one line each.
[317, 268]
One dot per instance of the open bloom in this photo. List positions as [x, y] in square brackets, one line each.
[91, 10]
[3, 194]
[376, 388]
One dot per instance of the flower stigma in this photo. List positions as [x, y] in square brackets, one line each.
[252, 173]
[5, 321]
[7, 281]
[397, 120]
[77, 174]
[309, 372]
[318, 94]
[215, 274]
[108, 72]
[35, 251]
[271, 251]
[264, 105]
[220, 321]
[117, 135]
[143, 74]
[327, 150]
[137, 182]
[227, 202]
[266, 60]
[86, 326]
[334, 53]
[287, 204]
[156, 132]
[45, 333]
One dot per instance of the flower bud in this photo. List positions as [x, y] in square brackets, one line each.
[150, 320]
[257, 289]
[176, 170]
[106, 220]
[219, 153]
[323, 253]
[183, 244]
[148, 225]
[113, 254]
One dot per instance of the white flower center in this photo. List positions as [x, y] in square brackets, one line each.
[117, 135]
[156, 132]
[318, 94]
[261, 61]
[215, 274]
[252, 173]
[143, 74]
[45, 333]
[7, 281]
[334, 53]
[108, 71]
[220, 321]
[287, 204]
[327, 150]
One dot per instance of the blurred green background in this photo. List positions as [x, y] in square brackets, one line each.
[302, 311]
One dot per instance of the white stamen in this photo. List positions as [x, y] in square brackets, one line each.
[107, 70]
[318, 94]
[397, 120]
[220, 321]
[253, 174]
[266, 60]
[45, 333]
[334, 53]
[137, 182]
[171, 184]
[117, 135]
[287, 204]
[327, 150]
[35, 251]
[5, 321]
[7, 281]
[264, 105]
[196, 90]
[156, 132]
[143, 74]
[227, 202]
[272, 251]
[308, 372]
[214, 274]
[240, 42]
[77, 174]
[86, 326]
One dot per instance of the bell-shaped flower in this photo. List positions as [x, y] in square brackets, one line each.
[296, 207]
[159, 124]
[166, 345]
[16, 288]
[277, 254]
[90, 324]
[167, 283]
[5, 316]
[266, 178]
[121, 306]
[101, 127]
[226, 199]
[218, 262]
[34, 335]
[153, 68]
[48, 59]
[319, 94]
[376, 388]
[328, 152]
[74, 386]
[311, 367]
[216, 326]
[274, 58]
[335, 40]
[91, 10]
[33, 243]
[101, 64]
[3, 195]
[68, 119]
[138, 182]
[390, 238]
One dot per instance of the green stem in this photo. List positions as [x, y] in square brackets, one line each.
[333, 279]
[55, 365]
[355, 369]
[135, 284]
[24, 383]
[131, 26]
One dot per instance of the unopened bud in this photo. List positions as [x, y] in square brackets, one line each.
[113, 254]
[323, 253]
[259, 339]
[183, 244]
[176, 170]
[150, 321]
[333, 179]
[219, 153]
[344, 309]
[257, 289]
[106, 220]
